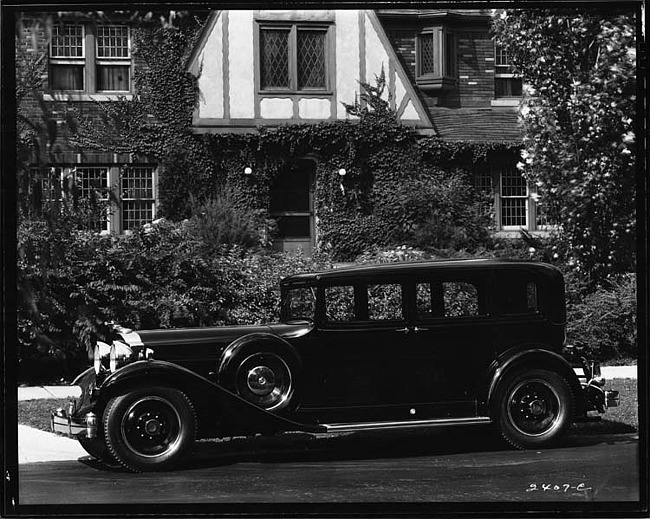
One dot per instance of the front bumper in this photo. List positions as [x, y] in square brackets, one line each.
[78, 419]
[62, 423]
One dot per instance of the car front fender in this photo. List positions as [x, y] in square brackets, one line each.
[232, 414]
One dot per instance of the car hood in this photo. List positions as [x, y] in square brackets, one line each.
[213, 334]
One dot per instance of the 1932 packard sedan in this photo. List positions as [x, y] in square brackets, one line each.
[388, 346]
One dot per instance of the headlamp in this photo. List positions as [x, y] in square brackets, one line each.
[100, 355]
[120, 354]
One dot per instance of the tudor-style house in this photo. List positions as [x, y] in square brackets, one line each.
[444, 77]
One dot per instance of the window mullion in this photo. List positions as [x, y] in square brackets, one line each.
[293, 57]
[90, 53]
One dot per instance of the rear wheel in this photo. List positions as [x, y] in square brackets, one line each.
[149, 429]
[534, 408]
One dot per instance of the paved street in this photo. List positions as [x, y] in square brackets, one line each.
[420, 466]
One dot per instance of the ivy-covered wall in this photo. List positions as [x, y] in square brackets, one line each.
[398, 189]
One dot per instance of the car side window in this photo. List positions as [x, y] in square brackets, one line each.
[518, 295]
[385, 302]
[339, 303]
[461, 299]
[301, 303]
[424, 301]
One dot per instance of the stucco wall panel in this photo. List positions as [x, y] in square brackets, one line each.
[241, 64]
[347, 59]
[376, 56]
[211, 79]
[314, 108]
[276, 108]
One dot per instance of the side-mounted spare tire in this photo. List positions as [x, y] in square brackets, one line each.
[533, 407]
[149, 429]
[265, 372]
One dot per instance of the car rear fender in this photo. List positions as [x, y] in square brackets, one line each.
[532, 358]
[215, 406]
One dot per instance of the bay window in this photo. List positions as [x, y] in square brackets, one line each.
[436, 64]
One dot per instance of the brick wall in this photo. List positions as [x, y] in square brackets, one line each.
[475, 64]
[32, 41]
[475, 69]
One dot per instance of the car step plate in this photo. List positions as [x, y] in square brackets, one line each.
[371, 426]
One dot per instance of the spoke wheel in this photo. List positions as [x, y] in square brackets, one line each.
[149, 429]
[265, 379]
[535, 408]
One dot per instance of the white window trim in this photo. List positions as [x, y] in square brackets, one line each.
[114, 218]
[90, 61]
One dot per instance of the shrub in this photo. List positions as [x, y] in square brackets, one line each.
[221, 221]
[603, 324]
[161, 276]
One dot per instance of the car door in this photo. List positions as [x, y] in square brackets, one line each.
[451, 343]
[349, 361]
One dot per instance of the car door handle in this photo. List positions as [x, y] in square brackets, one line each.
[416, 329]
[403, 330]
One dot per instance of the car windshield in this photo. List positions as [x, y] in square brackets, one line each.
[299, 303]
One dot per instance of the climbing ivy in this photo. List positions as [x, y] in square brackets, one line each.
[399, 188]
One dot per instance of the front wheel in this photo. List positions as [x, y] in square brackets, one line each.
[96, 447]
[149, 429]
[534, 408]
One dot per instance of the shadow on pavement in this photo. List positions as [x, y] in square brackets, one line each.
[302, 447]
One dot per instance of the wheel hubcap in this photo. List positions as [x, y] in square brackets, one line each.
[534, 407]
[261, 380]
[151, 427]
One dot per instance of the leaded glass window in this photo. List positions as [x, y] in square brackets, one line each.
[275, 58]
[311, 59]
[293, 57]
[426, 54]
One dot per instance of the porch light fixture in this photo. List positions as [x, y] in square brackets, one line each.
[248, 170]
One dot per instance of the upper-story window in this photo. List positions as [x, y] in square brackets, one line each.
[89, 58]
[436, 64]
[293, 57]
[506, 82]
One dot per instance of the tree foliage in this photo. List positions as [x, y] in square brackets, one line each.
[578, 118]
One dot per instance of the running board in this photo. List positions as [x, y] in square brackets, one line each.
[374, 426]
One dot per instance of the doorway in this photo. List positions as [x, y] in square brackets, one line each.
[292, 206]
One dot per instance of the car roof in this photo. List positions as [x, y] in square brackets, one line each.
[412, 267]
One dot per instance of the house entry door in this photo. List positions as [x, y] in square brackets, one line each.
[292, 205]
